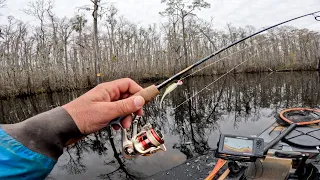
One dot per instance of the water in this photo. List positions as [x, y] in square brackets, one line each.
[238, 104]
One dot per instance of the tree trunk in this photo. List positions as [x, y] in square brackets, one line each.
[96, 43]
[66, 56]
[318, 63]
[184, 40]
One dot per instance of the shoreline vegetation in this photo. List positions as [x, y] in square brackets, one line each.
[69, 53]
[148, 80]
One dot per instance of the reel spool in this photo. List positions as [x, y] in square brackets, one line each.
[146, 142]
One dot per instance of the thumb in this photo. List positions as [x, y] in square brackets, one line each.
[125, 106]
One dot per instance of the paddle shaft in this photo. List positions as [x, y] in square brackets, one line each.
[216, 169]
[278, 138]
[224, 175]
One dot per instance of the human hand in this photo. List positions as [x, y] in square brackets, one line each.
[107, 101]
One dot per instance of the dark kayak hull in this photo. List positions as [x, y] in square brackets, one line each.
[298, 138]
[199, 167]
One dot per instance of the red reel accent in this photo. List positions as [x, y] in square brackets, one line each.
[156, 136]
[144, 145]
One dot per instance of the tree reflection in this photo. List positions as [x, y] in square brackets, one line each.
[240, 97]
[193, 122]
[122, 167]
[74, 164]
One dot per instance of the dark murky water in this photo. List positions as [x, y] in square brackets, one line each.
[238, 104]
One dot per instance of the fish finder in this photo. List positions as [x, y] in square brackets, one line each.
[239, 148]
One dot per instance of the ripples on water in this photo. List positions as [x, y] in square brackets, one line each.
[238, 104]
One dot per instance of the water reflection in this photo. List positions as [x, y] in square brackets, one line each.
[238, 104]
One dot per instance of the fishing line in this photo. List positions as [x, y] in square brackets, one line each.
[221, 77]
[156, 88]
[206, 87]
[310, 174]
[182, 78]
[223, 59]
[212, 83]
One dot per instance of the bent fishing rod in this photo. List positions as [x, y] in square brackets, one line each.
[136, 145]
[152, 91]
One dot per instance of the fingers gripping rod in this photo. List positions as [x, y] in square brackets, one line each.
[148, 94]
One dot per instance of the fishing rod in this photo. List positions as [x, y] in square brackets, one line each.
[160, 86]
[152, 91]
[130, 146]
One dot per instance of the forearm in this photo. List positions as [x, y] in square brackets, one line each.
[36, 143]
[46, 133]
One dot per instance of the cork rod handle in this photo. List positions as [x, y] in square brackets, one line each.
[148, 93]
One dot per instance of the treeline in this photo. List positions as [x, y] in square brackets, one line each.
[69, 52]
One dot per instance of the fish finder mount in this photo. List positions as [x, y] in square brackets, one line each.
[239, 148]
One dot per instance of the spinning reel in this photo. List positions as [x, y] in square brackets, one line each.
[148, 141]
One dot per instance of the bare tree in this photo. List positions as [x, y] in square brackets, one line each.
[2, 3]
[183, 9]
[111, 23]
[65, 31]
[38, 9]
[97, 57]
[49, 57]
[78, 24]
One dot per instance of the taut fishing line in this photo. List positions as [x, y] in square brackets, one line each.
[156, 88]
[219, 60]
[216, 80]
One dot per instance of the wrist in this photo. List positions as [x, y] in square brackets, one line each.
[47, 133]
[79, 114]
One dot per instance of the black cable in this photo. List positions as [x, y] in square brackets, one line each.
[256, 171]
[262, 169]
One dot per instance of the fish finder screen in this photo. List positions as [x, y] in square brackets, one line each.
[237, 145]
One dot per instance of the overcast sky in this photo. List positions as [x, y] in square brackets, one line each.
[259, 13]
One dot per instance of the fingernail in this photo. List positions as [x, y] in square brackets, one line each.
[139, 101]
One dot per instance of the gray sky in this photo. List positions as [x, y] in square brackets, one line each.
[259, 13]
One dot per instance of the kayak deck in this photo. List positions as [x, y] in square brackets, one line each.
[274, 168]
[275, 129]
[194, 168]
